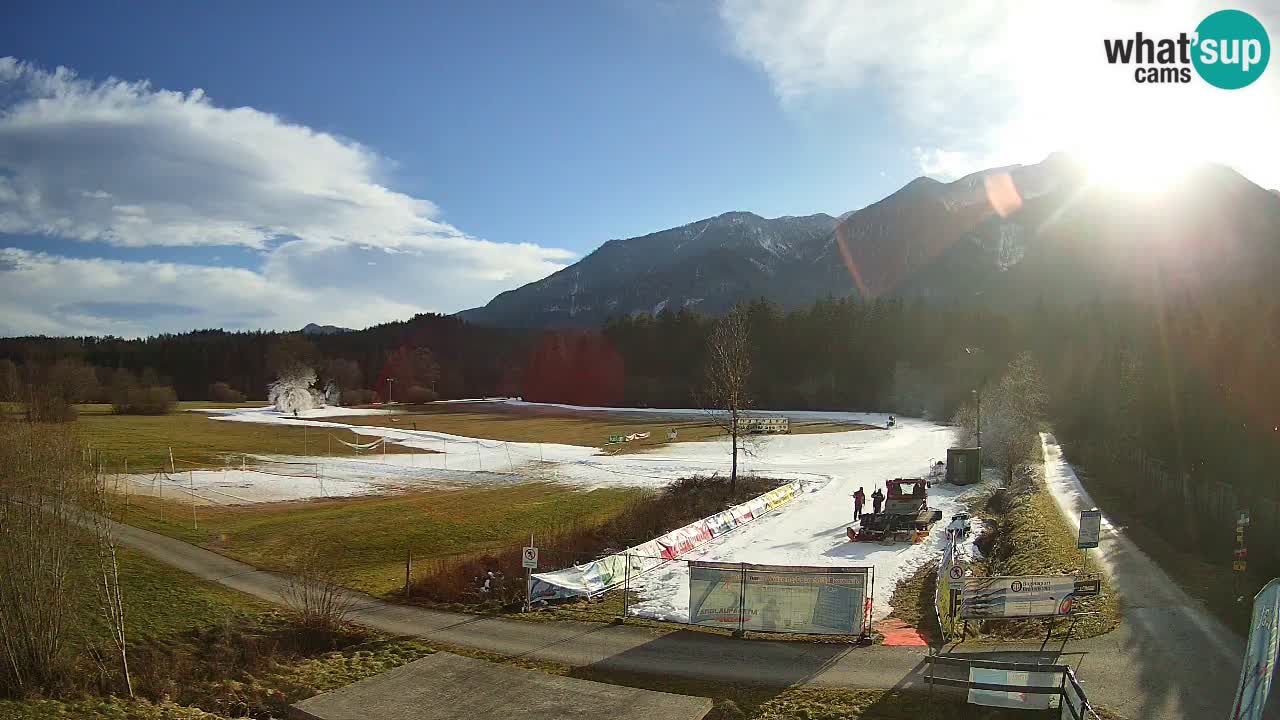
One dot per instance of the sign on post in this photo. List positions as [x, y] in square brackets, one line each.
[1088, 588]
[1022, 596]
[529, 558]
[1090, 528]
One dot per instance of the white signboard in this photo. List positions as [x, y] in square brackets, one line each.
[1001, 698]
[1023, 596]
[529, 558]
[1090, 528]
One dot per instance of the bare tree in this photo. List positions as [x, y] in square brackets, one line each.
[343, 373]
[1011, 412]
[727, 374]
[110, 592]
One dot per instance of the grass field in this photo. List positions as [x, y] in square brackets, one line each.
[368, 537]
[536, 425]
[161, 600]
[200, 442]
[197, 441]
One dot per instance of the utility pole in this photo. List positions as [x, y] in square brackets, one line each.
[389, 381]
[977, 393]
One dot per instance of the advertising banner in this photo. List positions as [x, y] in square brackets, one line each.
[715, 594]
[1004, 699]
[1259, 656]
[721, 522]
[943, 594]
[602, 574]
[1023, 596]
[773, 598]
[819, 601]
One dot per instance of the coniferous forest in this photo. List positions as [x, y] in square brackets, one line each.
[1177, 402]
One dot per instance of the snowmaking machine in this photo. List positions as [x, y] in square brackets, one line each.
[905, 517]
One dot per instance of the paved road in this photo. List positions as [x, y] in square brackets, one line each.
[1175, 643]
[1167, 661]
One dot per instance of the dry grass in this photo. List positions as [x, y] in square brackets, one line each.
[198, 441]
[647, 516]
[587, 429]
[1029, 536]
[367, 538]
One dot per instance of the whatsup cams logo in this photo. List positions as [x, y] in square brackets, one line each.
[1229, 50]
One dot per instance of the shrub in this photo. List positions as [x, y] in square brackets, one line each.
[153, 400]
[357, 397]
[47, 405]
[417, 395]
[314, 593]
[222, 392]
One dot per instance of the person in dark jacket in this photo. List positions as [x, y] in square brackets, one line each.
[877, 499]
[859, 499]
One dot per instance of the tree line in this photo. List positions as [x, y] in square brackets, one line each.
[1187, 381]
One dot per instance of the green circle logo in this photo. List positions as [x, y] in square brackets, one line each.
[1232, 49]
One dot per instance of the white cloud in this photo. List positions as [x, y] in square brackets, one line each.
[48, 294]
[1008, 81]
[125, 164]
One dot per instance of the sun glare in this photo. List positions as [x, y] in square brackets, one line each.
[1138, 169]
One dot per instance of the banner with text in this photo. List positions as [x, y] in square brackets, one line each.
[1023, 596]
[778, 598]
[1260, 655]
[608, 572]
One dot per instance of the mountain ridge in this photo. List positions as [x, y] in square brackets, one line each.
[957, 240]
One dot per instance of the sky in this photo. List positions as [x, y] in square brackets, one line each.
[168, 166]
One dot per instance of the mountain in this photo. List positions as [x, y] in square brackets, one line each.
[314, 329]
[1016, 233]
[707, 265]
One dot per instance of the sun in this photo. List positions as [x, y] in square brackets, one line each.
[1139, 169]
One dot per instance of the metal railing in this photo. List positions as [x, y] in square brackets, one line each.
[1067, 689]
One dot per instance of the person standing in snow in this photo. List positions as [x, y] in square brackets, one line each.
[877, 499]
[859, 498]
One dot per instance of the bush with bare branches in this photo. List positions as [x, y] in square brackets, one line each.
[315, 593]
[223, 392]
[42, 483]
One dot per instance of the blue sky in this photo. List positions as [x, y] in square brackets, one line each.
[276, 163]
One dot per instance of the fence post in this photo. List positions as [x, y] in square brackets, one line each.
[191, 476]
[626, 585]
[408, 569]
[742, 599]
